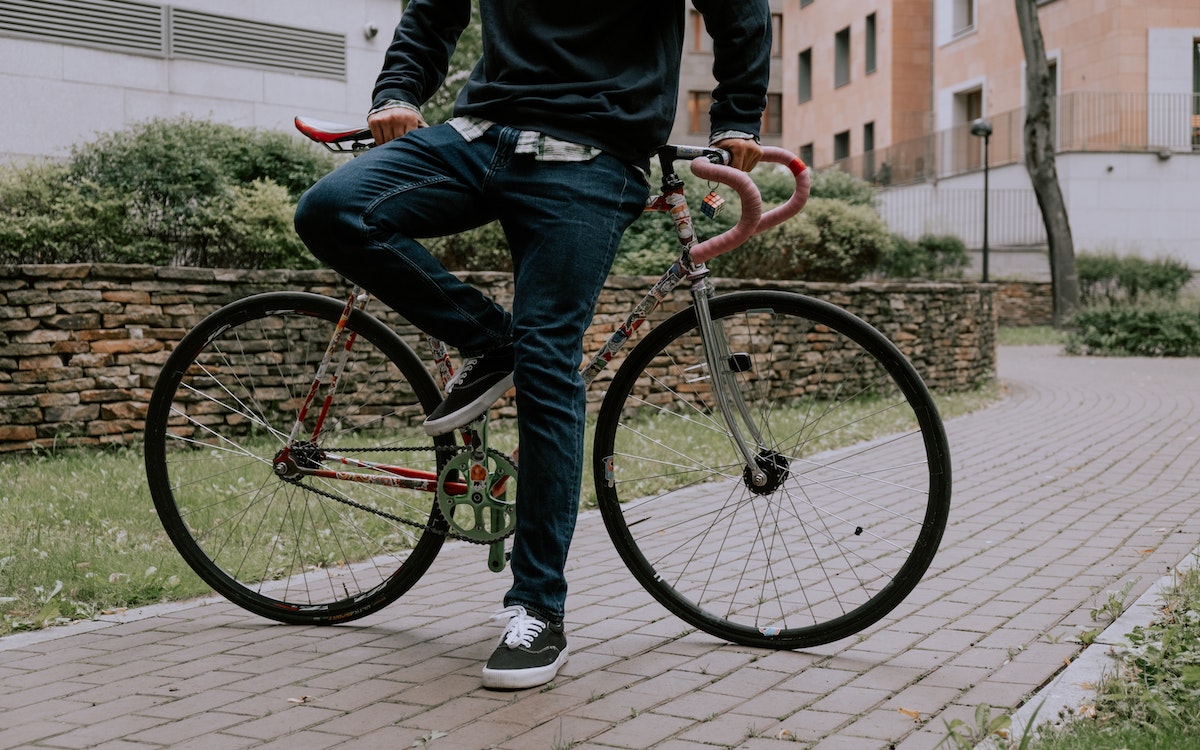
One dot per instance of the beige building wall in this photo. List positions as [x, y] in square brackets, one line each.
[892, 98]
[931, 77]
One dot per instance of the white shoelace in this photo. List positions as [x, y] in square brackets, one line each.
[462, 373]
[522, 627]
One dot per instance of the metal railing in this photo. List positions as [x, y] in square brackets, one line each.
[1083, 121]
[1014, 219]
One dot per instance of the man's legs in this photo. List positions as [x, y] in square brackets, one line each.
[361, 220]
[563, 221]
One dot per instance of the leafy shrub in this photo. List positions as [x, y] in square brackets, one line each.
[1107, 277]
[1153, 328]
[45, 217]
[481, 249]
[183, 192]
[838, 237]
[830, 241]
[843, 186]
[929, 257]
[649, 246]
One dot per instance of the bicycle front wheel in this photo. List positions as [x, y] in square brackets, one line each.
[855, 459]
[319, 543]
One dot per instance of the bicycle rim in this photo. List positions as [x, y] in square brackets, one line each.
[307, 549]
[857, 461]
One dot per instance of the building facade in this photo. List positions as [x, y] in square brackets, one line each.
[69, 70]
[888, 90]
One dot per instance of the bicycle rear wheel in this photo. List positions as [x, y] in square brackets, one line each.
[304, 549]
[856, 457]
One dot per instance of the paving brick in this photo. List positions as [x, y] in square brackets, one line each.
[642, 731]
[1075, 486]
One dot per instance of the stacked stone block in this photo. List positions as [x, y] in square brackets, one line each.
[82, 345]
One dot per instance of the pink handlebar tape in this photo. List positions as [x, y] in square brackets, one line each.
[752, 220]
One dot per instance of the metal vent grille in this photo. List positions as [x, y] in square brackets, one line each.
[112, 24]
[163, 30]
[237, 41]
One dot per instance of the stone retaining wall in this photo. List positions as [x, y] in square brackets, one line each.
[81, 345]
[1024, 303]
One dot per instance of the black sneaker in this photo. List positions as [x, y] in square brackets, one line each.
[472, 390]
[530, 653]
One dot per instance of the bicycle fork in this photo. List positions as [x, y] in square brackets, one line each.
[763, 470]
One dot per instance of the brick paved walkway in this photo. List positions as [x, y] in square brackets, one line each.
[1084, 480]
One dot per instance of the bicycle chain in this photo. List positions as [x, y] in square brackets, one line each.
[389, 516]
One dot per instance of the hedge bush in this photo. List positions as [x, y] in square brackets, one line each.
[190, 192]
[1154, 327]
[838, 237]
[929, 257]
[182, 192]
[1107, 277]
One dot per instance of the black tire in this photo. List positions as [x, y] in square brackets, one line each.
[856, 456]
[305, 550]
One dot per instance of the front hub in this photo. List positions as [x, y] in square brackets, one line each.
[772, 471]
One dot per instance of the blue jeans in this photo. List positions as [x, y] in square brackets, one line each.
[563, 221]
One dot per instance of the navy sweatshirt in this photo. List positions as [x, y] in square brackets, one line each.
[602, 74]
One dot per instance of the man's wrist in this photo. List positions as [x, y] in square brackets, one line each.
[723, 135]
[395, 104]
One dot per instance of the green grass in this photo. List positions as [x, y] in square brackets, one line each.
[79, 535]
[1031, 336]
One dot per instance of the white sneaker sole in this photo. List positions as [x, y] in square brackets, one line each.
[520, 679]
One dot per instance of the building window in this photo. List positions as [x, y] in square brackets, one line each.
[701, 41]
[772, 121]
[869, 152]
[804, 75]
[964, 16]
[841, 58]
[698, 104]
[969, 107]
[841, 146]
[806, 153]
[805, 3]
[1196, 95]
[776, 35]
[1196, 77]
[870, 43]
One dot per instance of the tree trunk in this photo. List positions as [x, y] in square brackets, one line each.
[1039, 161]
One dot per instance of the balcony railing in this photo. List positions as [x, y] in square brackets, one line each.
[1083, 121]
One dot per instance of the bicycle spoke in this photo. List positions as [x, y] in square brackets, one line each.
[242, 511]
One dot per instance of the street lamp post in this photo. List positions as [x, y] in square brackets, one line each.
[983, 129]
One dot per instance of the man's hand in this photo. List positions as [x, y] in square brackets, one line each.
[393, 122]
[745, 151]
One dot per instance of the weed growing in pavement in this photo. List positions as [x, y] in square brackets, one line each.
[1114, 605]
[961, 735]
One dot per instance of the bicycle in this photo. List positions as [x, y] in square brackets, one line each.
[769, 467]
